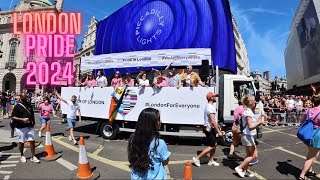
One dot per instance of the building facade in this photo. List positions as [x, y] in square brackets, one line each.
[279, 85]
[243, 67]
[262, 80]
[87, 46]
[12, 60]
[302, 54]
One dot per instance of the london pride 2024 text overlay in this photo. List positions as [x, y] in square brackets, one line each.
[48, 35]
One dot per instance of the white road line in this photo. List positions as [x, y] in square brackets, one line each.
[67, 164]
[257, 175]
[6, 177]
[8, 162]
[168, 172]
[9, 165]
[295, 154]
[6, 172]
[9, 157]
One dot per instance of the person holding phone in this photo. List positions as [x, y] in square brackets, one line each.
[23, 116]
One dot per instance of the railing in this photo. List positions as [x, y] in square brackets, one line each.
[287, 118]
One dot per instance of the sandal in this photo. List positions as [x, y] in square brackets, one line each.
[311, 173]
[302, 178]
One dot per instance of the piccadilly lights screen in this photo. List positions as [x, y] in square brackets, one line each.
[50, 36]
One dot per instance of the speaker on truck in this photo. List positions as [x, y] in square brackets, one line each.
[205, 68]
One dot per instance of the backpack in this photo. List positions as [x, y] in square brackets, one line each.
[305, 132]
[241, 125]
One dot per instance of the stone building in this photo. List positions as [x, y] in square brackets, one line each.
[12, 60]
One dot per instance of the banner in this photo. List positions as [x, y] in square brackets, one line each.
[155, 58]
[176, 106]
[170, 24]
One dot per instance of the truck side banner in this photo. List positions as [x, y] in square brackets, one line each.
[156, 58]
[177, 106]
[143, 25]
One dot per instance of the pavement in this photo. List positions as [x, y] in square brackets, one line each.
[281, 155]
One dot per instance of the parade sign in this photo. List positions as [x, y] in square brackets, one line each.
[156, 58]
[176, 106]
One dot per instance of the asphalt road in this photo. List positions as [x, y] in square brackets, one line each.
[281, 156]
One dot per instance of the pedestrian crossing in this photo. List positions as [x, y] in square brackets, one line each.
[8, 162]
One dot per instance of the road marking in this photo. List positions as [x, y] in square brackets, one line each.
[98, 150]
[6, 172]
[295, 154]
[8, 162]
[257, 175]
[118, 164]
[6, 177]
[9, 165]
[168, 172]
[67, 164]
[9, 157]
[287, 134]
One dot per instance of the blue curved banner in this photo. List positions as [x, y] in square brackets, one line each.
[170, 24]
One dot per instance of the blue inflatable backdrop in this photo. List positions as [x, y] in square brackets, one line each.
[170, 24]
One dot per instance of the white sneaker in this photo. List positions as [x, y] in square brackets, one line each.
[75, 142]
[248, 174]
[23, 159]
[239, 171]
[35, 159]
[196, 162]
[40, 135]
[70, 139]
[214, 163]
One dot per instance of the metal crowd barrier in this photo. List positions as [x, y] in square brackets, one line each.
[293, 118]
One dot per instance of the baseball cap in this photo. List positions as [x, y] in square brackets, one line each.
[211, 95]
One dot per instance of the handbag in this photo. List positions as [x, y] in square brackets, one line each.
[305, 132]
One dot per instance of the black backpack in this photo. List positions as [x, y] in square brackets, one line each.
[241, 125]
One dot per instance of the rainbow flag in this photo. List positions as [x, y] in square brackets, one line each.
[114, 109]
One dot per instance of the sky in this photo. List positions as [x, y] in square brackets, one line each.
[263, 24]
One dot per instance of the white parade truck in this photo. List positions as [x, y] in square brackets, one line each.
[182, 110]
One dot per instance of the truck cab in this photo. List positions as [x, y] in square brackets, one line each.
[231, 89]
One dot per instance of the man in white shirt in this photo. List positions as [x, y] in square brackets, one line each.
[291, 104]
[212, 131]
[72, 114]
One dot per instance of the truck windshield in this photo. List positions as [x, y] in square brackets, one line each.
[242, 88]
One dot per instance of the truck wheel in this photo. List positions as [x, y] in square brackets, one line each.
[227, 138]
[108, 131]
[64, 119]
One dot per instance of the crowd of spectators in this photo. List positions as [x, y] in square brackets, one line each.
[171, 78]
[10, 99]
[279, 107]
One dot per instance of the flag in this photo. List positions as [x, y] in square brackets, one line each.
[115, 109]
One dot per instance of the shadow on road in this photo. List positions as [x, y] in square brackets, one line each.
[285, 168]
[6, 148]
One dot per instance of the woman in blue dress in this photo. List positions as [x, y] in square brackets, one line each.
[147, 153]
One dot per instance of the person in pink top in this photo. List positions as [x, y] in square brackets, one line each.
[129, 81]
[45, 109]
[313, 152]
[237, 115]
[90, 81]
[117, 80]
[160, 81]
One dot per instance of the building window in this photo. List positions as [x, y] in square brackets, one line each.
[31, 56]
[13, 50]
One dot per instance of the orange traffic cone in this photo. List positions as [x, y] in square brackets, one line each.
[50, 154]
[84, 170]
[187, 171]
